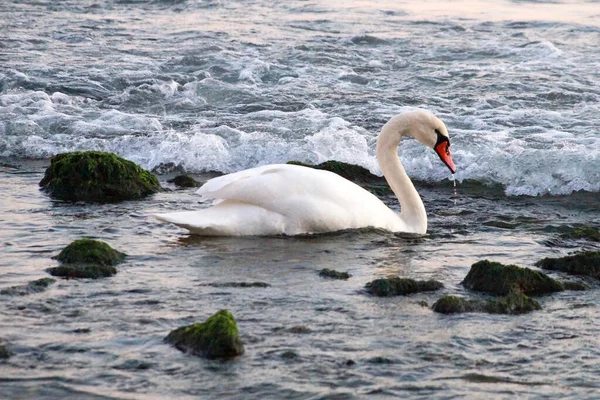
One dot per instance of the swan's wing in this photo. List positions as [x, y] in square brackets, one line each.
[312, 200]
[271, 186]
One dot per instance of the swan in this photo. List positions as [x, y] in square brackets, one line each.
[292, 199]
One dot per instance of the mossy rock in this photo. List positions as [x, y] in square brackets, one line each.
[96, 176]
[396, 286]
[184, 181]
[333, 274]
[89, 251]
[499, 279]
[84, 271]
[238, 284]
[575, 285]
[5, 353]
[36, 286]
[513, 303]
[217, 337]
[582, 232]
[585, 263]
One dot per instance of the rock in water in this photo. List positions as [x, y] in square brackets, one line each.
[5, 353]
[184, 181]
[217, 337]
[89, 251]
[582, 232]
[96, 176]
[513, 303]
[396, 286]
[500, 279]
[584, 263]
[333, 274]
[87, 258]
[36, 286]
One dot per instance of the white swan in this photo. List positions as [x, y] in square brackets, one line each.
[290, 199]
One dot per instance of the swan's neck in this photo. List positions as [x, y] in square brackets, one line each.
[411, 205]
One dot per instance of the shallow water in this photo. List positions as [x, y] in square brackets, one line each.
[212, 86]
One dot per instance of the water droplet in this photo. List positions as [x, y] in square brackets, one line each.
[455, 194]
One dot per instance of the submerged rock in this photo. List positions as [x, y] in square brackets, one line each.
[5, 353]
[89, 251]
[499, 279]
[513, 303]
[82, 271]
[36, 286]
[333, 274]
[575, 285]
[96, 176]
[217, 337]
[238, 284]
[87, 258]
[584, 263]
[184, 181]
[396, 286]
[582, 232]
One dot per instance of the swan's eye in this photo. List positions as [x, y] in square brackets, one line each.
[437, 132]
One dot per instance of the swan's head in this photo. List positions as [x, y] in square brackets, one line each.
[427, 129]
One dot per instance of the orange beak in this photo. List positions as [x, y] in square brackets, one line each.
[442, 149]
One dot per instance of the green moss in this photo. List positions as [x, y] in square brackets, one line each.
[89, 251]
[582, 232]
[455, 304]
[184, 181]
[574, 285]
[333, 274]
[83, 271]
[217, 337]
[500, 279]
[5, 353]
[584, 263]
[513, 303]
[96, 176]
[32, 287]
[396, 286]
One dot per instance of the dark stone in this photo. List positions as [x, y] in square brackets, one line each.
[217, 337]
[582, 232]
[184, 181]
[96, 176]
[396, 286]
[82, 271]
[5, 353]
[32, 287]
[513, 303]
[584, 263]
[300, 329]
[289, 355]
[333, 274]
[379, 360]
[500, 279]
[238, 284]
[88, 251]
[575, 285]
